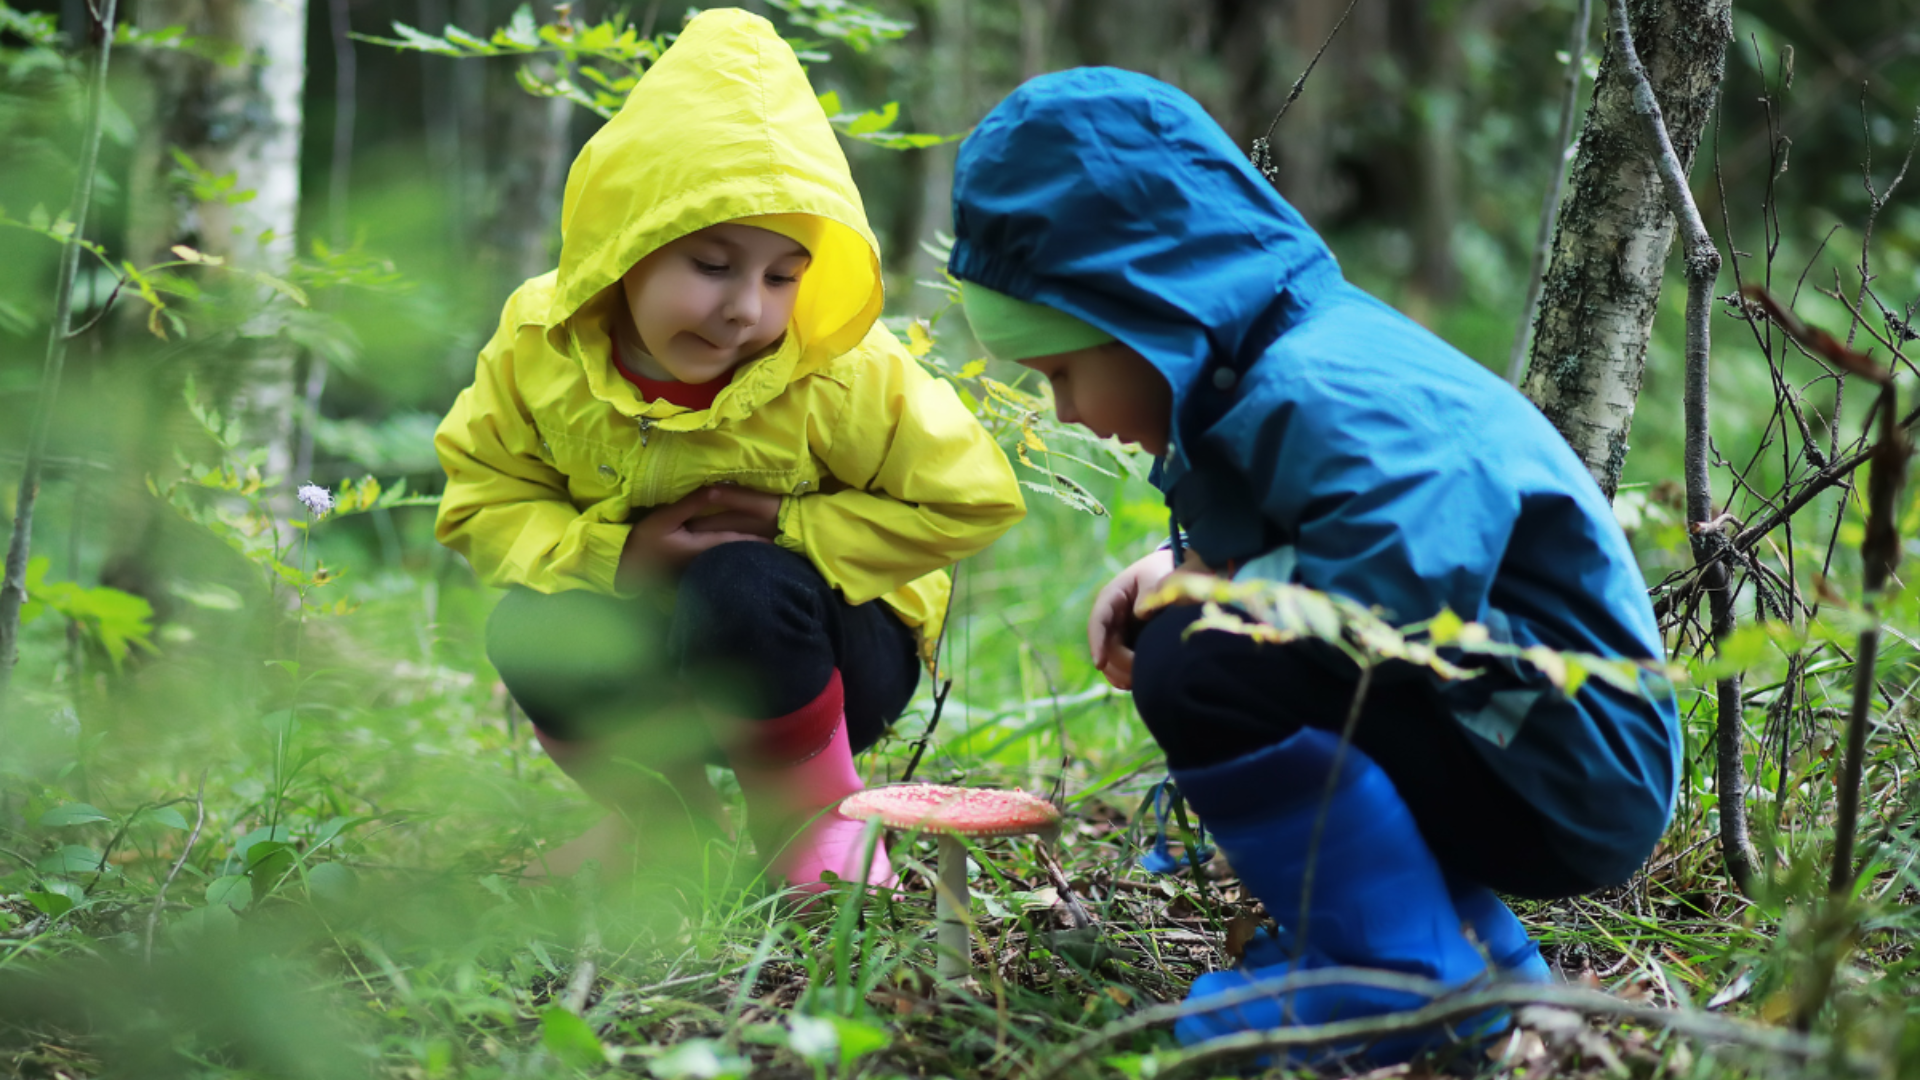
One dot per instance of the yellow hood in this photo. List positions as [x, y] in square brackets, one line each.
[723, 127]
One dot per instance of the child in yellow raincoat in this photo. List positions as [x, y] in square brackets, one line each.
[697, 462]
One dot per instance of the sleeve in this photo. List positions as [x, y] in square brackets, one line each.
[926, 486]
[505, 508]
[1384, 504]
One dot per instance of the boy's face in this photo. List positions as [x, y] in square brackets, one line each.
[1110, 390]
[711, 299]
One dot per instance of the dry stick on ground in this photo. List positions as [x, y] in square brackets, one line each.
[160, 898]
[1702, 262]
[587, 967]
[1550, 206]
[1447, 1004]
[13, 587]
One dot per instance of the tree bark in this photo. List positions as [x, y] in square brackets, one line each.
[1615, 231]
[242, 119]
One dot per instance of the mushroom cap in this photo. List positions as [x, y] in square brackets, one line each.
[956, 811]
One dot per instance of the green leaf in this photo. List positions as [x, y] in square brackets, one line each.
[244, 846]
[233, 890]
[78, 813]
[568, 1038]
[71, 859]
[163, 815]
[414, 39]
[875, 119]
[267, 864]
[333, 882]
[520, 30]
[51, 904]
[858, 1038]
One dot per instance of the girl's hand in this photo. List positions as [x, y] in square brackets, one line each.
[668, 538]
[744, 511]
[1116, 615]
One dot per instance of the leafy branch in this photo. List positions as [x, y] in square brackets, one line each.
[1281, 613]
[600, 63]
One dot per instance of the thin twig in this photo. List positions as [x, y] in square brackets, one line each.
[1262, 149]
[1550, 206]
[1447, 1004]
[1076, 912]
[1702, 261]
[160, 898]
[13, 590]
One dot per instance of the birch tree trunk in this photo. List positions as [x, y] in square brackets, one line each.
[534, 156]
[242, 119]
[1615, 231]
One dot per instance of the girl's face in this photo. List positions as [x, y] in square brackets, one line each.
[704, 303]
[1110, 390]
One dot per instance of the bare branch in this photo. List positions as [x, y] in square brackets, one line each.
[160, 898]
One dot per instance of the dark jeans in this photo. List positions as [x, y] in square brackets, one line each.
[752, 630]
[1217, 696]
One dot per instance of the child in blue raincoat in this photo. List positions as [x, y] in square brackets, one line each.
[1112, 237]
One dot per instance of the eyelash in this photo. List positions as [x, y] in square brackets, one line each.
[718, 269]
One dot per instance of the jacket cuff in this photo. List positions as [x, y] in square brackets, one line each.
[601, 544]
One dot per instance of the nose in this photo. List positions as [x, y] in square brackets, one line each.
[743, 304]
[1063, 409]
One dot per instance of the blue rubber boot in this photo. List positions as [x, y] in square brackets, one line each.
[1378, 899]
[1499, 932]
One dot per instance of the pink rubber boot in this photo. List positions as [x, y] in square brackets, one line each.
[794, 770]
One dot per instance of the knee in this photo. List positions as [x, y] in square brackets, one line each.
[1162, 675]
[742, 575]
[734, 598]
[567, 635]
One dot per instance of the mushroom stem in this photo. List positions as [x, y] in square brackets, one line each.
[950, 910]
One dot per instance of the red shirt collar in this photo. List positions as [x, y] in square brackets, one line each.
[695, 396]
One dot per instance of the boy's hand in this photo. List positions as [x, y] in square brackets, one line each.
[1116, 613]
[670, 536]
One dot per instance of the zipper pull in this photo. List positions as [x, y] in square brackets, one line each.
[646, 429]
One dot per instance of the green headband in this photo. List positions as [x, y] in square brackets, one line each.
[1013, 329]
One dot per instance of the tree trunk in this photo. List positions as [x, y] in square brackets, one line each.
[537, 151]
[948, 100]
[1426, 38]
[1614, 232]
[242, 119]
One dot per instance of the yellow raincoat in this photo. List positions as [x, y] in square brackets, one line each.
[885, 477]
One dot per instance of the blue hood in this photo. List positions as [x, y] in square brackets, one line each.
[1115, 198]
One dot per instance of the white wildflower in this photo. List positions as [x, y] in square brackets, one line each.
[317, 499]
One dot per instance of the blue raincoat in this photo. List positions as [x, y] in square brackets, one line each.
[1321, 437]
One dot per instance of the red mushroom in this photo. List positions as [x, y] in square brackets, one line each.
[953, 813]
